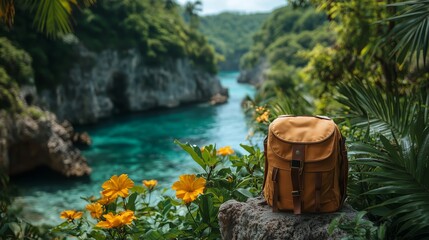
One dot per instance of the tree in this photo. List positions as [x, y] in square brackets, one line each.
[191, 10]
[52, 17]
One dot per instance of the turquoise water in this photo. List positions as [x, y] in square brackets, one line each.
[140, 145]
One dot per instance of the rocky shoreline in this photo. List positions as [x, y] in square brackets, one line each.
[114, 82]
[27, 142]
[39, 131]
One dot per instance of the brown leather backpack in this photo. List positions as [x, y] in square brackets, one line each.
[306, 165]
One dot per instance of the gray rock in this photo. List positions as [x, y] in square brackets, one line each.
[111, 81]
[255, 75]
[26, 143]
[254, 220]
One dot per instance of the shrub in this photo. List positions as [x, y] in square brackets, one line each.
[124, 210]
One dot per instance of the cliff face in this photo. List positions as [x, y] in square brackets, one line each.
[31, 140]
[255, 75]
[109, 82]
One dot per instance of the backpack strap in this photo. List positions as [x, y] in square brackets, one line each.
[298, 156]
[274, 178]
[318, 188]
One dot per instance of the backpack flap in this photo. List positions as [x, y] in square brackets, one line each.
[317, 135]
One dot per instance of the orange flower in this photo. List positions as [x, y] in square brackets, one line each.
[260, 109]
[127, 217]
[225, 151]
[263, 117]
[71, 215]
[119, 220]
[95, 209]
[117, 186]
[111, 221]
[105, 200]
[189, 187]
[150, 184]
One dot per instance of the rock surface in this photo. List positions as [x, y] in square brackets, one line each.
[28, 142]
[255, 75]
[111, 81]
[255, 220]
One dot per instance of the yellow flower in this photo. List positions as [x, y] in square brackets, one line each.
[227, 150]
[71, 215]
[260, 109]
[263, 117]
[119, 220]
[189, 187]
[95, 209]
[111, 221]
[150, 184]
[117, 186]
[105, 200]
[127, 217]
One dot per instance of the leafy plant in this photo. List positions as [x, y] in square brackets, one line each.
[11, 226]
[410, 30]
[124, 210]
[357, 228]
[396, 160]
[50, 16]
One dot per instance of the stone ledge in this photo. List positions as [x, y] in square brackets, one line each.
[255, 220]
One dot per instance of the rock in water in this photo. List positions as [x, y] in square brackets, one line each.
[28, 142]
[255, 220]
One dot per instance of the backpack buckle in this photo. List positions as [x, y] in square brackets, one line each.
[296, 193]
[296, 164]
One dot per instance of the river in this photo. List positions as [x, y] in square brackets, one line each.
[140, 145]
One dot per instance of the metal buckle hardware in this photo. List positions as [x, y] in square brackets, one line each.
[296, 193]
[296, 164]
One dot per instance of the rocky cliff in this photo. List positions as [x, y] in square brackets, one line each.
[112, 81]
[255, 75]
[34, 138]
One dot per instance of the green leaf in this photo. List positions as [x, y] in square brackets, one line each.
[192, 151]
[15, 228]
[206, 205]
[167, 207]
[131, 204]
[334, 224]
[248, 148]
[153, 235]
[244, 192]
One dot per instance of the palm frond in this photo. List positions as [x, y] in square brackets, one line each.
[396, 161]
[53, 17]
[289, 102]
[386, 115]
[411, 31]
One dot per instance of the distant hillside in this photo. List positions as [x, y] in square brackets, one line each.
[278, 50]
[231, 33]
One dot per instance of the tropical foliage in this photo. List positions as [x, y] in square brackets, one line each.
[282, 48]
[371, 79]
[393, 156]
[231, 35]
[50, 16]
[125, 210]
[409, 31]
[155, 28]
